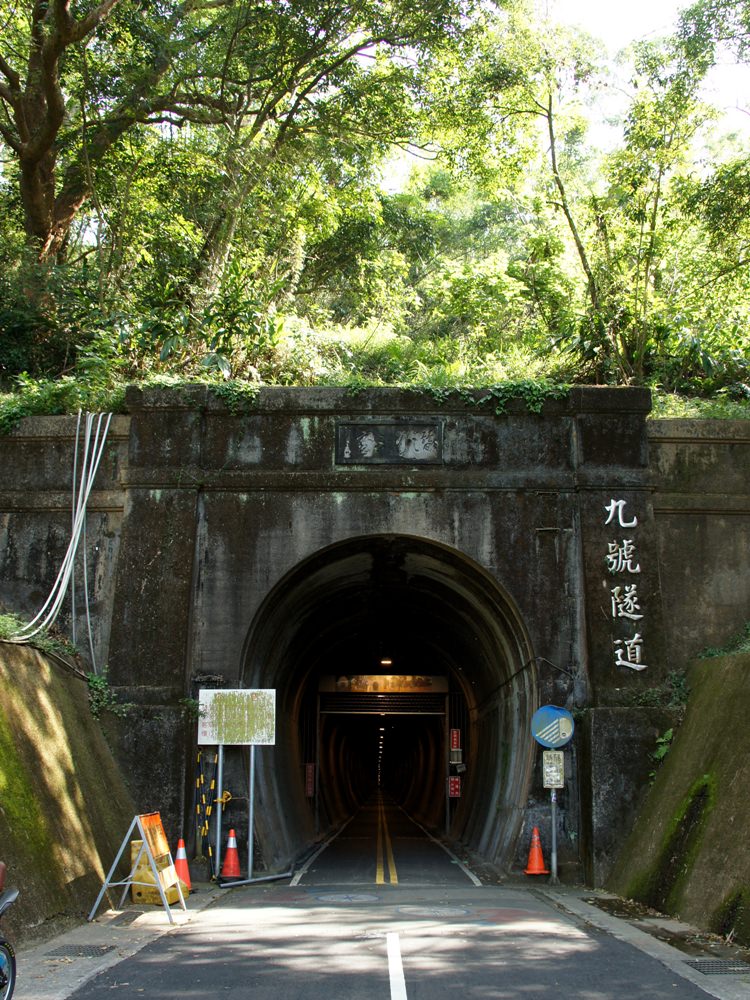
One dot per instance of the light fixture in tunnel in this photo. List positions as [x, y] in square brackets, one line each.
[386, 663]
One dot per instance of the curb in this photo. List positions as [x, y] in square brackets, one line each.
[56, 969]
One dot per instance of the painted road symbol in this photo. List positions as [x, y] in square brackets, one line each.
[552, 727]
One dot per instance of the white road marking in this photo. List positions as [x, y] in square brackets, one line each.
[467, 871]
[303, 870]
[395, 968]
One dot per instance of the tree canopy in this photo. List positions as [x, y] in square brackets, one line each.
[205, 189]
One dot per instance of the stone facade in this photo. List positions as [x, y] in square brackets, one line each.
[575, 557]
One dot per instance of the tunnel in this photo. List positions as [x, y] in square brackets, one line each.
[398, 663]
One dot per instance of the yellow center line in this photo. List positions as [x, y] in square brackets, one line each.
[393, 876]
[379, 873]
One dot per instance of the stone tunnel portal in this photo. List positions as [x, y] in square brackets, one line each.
[400, 609]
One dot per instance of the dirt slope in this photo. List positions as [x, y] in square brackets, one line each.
[688, 853]
[63, 806]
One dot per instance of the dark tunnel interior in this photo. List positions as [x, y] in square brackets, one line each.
[390, 625]
[402, 755]
[388, 607]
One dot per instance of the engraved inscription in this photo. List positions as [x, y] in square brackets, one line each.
[389, 444]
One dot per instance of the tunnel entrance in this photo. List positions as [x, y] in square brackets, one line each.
[387, 732]
[403, 638]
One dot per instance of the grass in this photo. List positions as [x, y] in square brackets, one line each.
[739, 643]
[11, 625]
[669, 405]
[353, 358]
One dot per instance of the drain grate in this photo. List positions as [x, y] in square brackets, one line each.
[719, 967]
[80, 951]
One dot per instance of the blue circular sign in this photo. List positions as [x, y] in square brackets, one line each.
[552, 727]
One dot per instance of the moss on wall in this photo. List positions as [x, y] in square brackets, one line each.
[687, 853]
[732, 918]
[660, 885]
[63, 807]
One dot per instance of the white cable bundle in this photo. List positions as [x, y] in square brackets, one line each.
[92, 454]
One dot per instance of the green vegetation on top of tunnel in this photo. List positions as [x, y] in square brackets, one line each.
[50, 397]
[216, 238]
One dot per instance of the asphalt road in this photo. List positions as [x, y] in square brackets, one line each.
[381, 845]
[384, 913]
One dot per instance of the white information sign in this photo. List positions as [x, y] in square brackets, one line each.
[553, 768]
[237, 717]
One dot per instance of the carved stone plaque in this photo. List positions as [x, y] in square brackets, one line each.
[389, 443]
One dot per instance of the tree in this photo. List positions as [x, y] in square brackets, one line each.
[710, 24]
[722, 200]
[76, 78]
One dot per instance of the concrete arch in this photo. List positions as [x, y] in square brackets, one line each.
[435, 611]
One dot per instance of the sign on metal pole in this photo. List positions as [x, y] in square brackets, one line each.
[237, 717]
[553, 768]
[454, 788]
[455, 739]
[552, 727]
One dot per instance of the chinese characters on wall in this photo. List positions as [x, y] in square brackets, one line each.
[624, 569]
[389, 443]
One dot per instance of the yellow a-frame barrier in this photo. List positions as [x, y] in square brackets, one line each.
[156, 848]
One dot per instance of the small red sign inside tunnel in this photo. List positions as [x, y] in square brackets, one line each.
[454, 788]
[455, 739]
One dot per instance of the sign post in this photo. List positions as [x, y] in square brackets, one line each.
[553, 770]
[238, 717]
[553, 727]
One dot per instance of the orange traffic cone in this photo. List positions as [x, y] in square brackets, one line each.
[181, 865]
[231, 866]
[536, 858]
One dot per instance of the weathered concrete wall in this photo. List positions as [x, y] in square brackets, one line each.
[701, 477]
[63, 806]
[226, 506]
[35, 521]
[202, 517]
[687, 854]
[616, 747]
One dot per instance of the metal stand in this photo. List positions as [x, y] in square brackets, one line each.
[250, 830]
[220, 810]
[251, 814]
[162, 879]
[252, 881]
